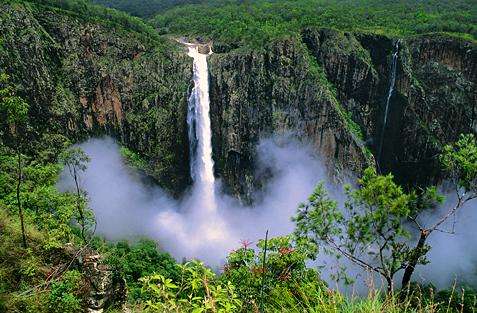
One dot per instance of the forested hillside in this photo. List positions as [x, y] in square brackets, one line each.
[143, 8]
[256, 22]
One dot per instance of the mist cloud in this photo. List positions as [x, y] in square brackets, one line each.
[127, 208]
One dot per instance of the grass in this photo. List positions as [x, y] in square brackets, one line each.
[335, 302]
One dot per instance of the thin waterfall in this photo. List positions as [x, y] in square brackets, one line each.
[392, 82]
[198, 119]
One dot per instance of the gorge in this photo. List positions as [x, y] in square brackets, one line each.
[292, 146]
[392, 82]
[97, 84]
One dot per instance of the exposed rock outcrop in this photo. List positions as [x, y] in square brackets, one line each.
[104, 288]
[85, 79]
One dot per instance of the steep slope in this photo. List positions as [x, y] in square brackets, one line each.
[89, 78]
[434, 100]
[280, 90]
[86, 79]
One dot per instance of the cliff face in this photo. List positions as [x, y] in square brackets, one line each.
[433, 102]
[436, 100]
[255, 94]
[85, 78]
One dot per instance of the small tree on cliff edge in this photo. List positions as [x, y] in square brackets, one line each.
[14, 111]
[76, 161]
[371, 232]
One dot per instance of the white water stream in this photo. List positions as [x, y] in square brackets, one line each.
[200, 134]
[392, 83]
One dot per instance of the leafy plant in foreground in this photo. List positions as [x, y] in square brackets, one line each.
[259, 276]
[459, 161]
[76, 161]
[139, 260]
[14, 110]
[197, 290]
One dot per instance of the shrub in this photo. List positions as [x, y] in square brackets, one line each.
[63, 294]
[197, 290]
[139, 260]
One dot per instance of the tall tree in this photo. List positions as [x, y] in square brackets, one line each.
[369, 232]
[373, 230]
[77, 161]
[459, 161]
[14, 110]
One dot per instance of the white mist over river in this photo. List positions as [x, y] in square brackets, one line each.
[127, 208]
[203, 224]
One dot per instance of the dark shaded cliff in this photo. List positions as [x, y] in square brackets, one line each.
[255, 94]
[434, 100]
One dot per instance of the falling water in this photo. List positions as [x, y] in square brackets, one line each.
[392, 82]
[202, 165]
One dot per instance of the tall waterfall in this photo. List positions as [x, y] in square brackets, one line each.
[392, 82]
[198, 119]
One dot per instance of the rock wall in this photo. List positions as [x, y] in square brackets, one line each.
[434, 101]
[255, 94]
[437, 85]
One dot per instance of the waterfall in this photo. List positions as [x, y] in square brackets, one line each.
[392, 82]
[198, 119]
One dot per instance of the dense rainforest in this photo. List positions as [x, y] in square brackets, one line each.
[381, 93]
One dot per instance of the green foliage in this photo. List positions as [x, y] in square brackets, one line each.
[50, 147]
[51, 211]
[134, 159]
[370, 232]
[63, 294]
[22, 269]
[143, 8]
[139, 260]
[13, 111]
[284, 272]
[454, 299]
[253, 23]
[97, 13]
[197, 290]
[317, 219]
[77, 161]
[459, 161]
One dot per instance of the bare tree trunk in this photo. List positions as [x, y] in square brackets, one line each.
[390, 283]
[417, 253]
[20, 209]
